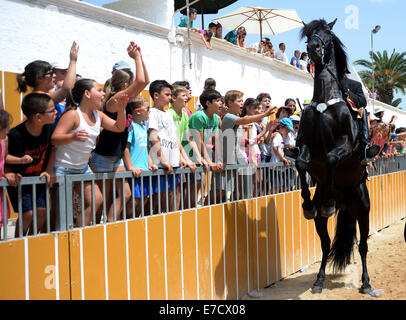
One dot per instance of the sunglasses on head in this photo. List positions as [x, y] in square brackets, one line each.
[50, 72]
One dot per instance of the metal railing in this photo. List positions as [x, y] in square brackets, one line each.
[86, 199]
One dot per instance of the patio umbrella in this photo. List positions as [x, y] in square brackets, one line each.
[204, 6]
[261, 21]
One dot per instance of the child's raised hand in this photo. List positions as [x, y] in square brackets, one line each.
[80, 135]
[133, 50]
[120, 100]
[74, 51]
[26, 159]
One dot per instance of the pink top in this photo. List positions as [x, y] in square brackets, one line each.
[2, 161]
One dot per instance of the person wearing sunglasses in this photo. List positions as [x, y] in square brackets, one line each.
[40, 76]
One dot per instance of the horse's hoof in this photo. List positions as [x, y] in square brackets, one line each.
[365, 289]
[327, 212]
[317, 289]
[310, 214]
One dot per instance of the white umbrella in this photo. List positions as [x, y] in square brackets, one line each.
[262, 21]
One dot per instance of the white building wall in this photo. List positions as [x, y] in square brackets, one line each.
[156, 11]
[45, 29]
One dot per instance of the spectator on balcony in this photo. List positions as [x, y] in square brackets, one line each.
[206, 36]
[213, 28]
[184, 22]
[303, 61]
[237, 37]
[281, 55]
[40, 75]
[311, 68]
[219, 31]
[265, 47]
[295, 60]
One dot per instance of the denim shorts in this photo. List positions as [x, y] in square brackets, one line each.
[105, 163]
[26, 197]
[63, 171]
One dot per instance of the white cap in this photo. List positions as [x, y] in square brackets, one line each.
[294, 118]
[378, 109]
[372, 117]
[58, 65]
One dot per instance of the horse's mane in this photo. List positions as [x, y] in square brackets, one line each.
[339, 48]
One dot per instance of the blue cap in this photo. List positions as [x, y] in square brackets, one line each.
[287, 122]
[121, 65]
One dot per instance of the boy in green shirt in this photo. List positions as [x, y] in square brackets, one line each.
[185, 20]
[204, 127]
[180, 119]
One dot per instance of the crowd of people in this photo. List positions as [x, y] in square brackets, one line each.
[73, 125]
[237, 37]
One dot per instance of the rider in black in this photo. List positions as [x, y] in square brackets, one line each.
[356, 94]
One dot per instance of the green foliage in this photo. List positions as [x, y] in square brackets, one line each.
[389, 73]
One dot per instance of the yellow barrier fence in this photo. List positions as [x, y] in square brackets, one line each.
[216, 252]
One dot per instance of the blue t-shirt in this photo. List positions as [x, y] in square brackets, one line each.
[184, 23]
[231, 37]
[297, 62]
[138, 148]
[60, 108]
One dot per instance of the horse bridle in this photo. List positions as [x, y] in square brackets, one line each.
[324, 45]
[323, 50]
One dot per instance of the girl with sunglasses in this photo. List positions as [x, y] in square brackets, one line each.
[40, 76]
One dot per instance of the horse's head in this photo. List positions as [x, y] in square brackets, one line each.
[322, 44]
[319, 38]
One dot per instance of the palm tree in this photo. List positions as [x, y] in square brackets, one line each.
[389, 73]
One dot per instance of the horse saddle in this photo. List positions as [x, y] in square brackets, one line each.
[321, 107]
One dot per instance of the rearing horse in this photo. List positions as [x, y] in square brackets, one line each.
[330, 153]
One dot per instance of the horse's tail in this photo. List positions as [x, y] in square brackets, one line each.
[343, 243]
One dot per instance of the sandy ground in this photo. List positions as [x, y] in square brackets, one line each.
[386, 268]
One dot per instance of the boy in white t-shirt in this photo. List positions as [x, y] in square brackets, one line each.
[166, 150]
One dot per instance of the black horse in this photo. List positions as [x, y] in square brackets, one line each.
[330, 153]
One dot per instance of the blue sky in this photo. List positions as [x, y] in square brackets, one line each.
[355, 20]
